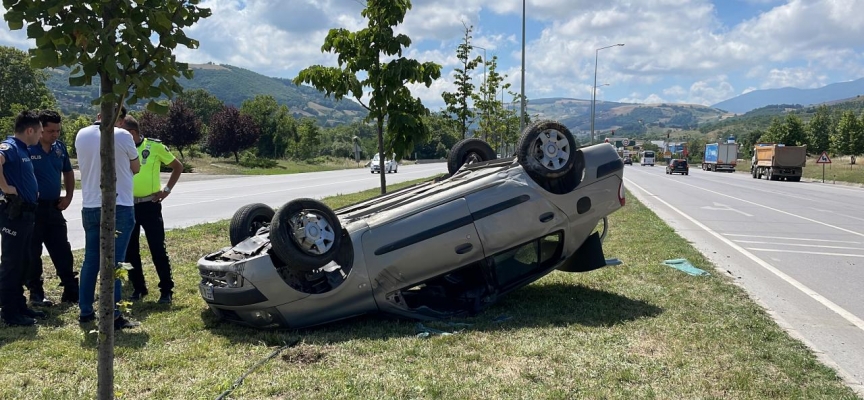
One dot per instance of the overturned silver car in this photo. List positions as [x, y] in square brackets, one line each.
[447, 247]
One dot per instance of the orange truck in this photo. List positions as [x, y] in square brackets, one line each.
[778, 162]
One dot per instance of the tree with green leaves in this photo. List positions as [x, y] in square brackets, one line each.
[276, 124]
[789, 131]
[457, 103]
[22, 87]
[485, 101]
[376, 52]
[230, 133]
[308, 141]
[202, 102]
[819, 130]
[848, 136]
[129, 46]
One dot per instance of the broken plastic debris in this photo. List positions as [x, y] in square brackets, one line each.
[683, 265]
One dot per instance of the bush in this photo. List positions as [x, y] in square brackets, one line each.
[249, 160]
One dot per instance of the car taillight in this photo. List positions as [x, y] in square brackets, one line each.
[621, 198]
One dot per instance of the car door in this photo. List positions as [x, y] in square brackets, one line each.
[420, 246]
[512, 213]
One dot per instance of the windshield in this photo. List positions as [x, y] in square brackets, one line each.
[649, 154]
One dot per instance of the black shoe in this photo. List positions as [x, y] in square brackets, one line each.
[39, 300]
[123, 323]
[136, 295]
[86, 318]
[18, 320]
[165, 298]
[29, 312]
[70, 293]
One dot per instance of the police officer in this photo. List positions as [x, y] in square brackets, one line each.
[17, 216]
[51, 160]
[149, 193]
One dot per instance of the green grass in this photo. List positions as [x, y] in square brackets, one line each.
[641, 330]
[839, 170]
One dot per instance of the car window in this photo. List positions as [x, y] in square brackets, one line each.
[511, 266]
[649, 154]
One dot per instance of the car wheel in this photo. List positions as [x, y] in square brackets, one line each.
[547, 149]
[469, 151]
[248, 220]
[305, 234]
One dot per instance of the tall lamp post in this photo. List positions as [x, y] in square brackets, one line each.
[522, 94]
[484, 75]
[594, 92]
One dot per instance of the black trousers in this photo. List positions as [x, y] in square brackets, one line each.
[148, 215]
[50, 230]
[15, 237]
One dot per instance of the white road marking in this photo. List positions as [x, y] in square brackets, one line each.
[808, 252]
[789, 238]
[775, 209]
[800, 245]
[848, 316]
[723, 207]
[838, 214]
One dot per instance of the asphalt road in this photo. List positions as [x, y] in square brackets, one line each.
[197, 199]
[796, 247]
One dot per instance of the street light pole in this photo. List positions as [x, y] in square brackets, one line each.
[522, 113]
[484, 81]
[594, 92]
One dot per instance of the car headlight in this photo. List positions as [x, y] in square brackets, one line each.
[234, 279]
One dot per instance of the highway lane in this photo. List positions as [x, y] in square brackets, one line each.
[200, 201]
[796, 247]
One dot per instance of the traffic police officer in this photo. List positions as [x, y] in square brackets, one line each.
[17, 216]
[149, 193]
[51, 160]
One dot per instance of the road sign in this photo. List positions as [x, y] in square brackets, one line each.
[625, 142]
[823, 159]
[668, 154]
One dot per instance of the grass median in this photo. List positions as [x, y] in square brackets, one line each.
[640, 330]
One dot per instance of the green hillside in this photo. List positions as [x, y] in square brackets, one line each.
[232, 85]
[633, 120]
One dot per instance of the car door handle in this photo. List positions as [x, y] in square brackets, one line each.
[464, 248]
[547, 217]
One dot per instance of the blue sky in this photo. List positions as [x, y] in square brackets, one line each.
[682, 51]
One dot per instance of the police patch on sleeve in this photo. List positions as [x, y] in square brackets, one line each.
[5, 146]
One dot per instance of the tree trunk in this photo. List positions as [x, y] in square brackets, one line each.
[106, 246]
[180, 150]
[236, 157]
[381, 155]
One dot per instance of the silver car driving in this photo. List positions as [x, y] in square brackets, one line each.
[447, 247]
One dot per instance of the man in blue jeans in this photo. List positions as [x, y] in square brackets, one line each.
[89, 163]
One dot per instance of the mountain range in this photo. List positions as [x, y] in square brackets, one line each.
[233, 85]
[788, 95]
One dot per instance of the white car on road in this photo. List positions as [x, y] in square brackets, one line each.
[390, 165]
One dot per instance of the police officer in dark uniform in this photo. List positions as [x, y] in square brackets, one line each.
[17, 216]
[51, 162]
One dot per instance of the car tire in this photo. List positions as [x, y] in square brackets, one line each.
[318, 224]
[468, 151]
[541, 162]
[247, 220]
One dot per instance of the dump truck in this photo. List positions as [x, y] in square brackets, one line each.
[778, 162]
[720, 157]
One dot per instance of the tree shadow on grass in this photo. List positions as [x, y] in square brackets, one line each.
[547, 305]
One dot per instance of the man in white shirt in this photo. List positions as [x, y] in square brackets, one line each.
[87, 143]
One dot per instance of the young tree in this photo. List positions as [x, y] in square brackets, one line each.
[368, 51]
[21, 84]
[276, 124]
[841, 140]
[153, 125]
[486, 103]
[819, 130]
[457, 103]
[183, 127]
[129, 46]
[308, 140]
[230, 133]
[202, 103]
